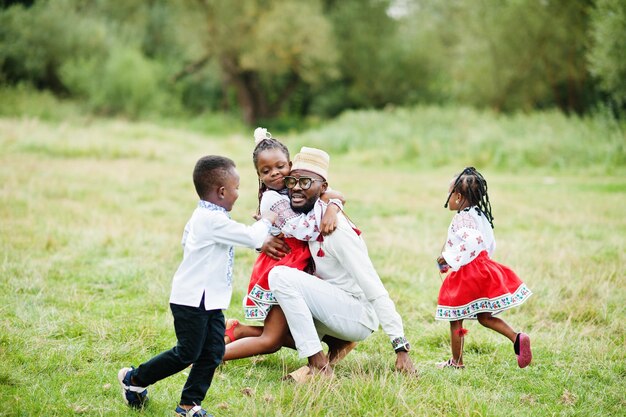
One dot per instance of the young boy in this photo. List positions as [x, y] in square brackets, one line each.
[201, 288]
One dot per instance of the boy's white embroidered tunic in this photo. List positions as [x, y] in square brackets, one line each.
[206, 268]
[469, 234]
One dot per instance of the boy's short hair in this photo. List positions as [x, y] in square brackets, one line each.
[211, 171]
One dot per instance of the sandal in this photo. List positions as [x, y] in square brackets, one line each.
[229, 332]
[450, 363]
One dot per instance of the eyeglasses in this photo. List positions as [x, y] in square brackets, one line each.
[304, 182]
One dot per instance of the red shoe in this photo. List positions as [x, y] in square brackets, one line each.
[230, 330]
[525, 355]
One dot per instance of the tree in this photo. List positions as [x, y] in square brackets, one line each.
[607, 55]
[266, 50]
[521, 53]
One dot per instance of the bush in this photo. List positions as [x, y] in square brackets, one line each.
[34, 42]
[126, 82]
[429, 136]
[23, 100]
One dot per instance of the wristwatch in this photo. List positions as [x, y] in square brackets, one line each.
[401, 344]
[404, 348]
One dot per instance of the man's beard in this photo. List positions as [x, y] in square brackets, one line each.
[308, 206]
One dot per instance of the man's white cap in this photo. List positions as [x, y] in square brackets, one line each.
[313, 160]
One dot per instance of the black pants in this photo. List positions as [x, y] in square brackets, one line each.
[200, 335]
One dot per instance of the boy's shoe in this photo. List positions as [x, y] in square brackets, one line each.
[196, 411]
[134, 396]
[522, 348]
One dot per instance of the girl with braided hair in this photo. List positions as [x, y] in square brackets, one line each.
[478, 287]
[272, 164]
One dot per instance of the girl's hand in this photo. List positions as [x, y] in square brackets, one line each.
[329, 220]
[443, 265]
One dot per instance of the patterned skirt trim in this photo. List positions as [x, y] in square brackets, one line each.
[257, 304]
[484, 305]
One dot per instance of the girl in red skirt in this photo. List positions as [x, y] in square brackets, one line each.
[272, 164]
[478, 287]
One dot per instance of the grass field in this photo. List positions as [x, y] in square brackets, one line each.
[93, 210]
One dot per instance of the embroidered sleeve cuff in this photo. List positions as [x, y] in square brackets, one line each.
[400, 344]
[336, 202]
[268, 224]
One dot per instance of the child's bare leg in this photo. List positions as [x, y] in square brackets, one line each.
[498, 325]
[275, 334]
[521, 341]
[455, 341]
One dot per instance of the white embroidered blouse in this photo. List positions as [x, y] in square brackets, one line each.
[469, 234]
[302, 226]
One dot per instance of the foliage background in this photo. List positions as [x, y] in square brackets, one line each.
[280, 61]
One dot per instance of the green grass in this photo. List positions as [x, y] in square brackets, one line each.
[93, 210]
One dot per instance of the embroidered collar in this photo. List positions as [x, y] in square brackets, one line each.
[211, 206]
[478, 210]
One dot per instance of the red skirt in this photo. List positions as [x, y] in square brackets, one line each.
[260, 299]
[482, 286]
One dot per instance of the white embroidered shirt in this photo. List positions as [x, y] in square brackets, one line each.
[302, 226]
[206, 268]
[346, 264]
[469, 234]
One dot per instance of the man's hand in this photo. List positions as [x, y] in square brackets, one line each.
[275, 247]
[404, 363]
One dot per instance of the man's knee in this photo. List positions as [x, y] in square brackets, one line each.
[277, 278]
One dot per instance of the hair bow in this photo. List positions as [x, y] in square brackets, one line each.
[260, 134]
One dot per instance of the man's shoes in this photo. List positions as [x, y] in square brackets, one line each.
[135, 397]
[196, 411]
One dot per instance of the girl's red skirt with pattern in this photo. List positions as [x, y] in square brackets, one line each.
[482, 286]
[260, 299]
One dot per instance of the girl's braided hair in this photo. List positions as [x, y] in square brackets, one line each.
[473, 187]
[264, 145]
